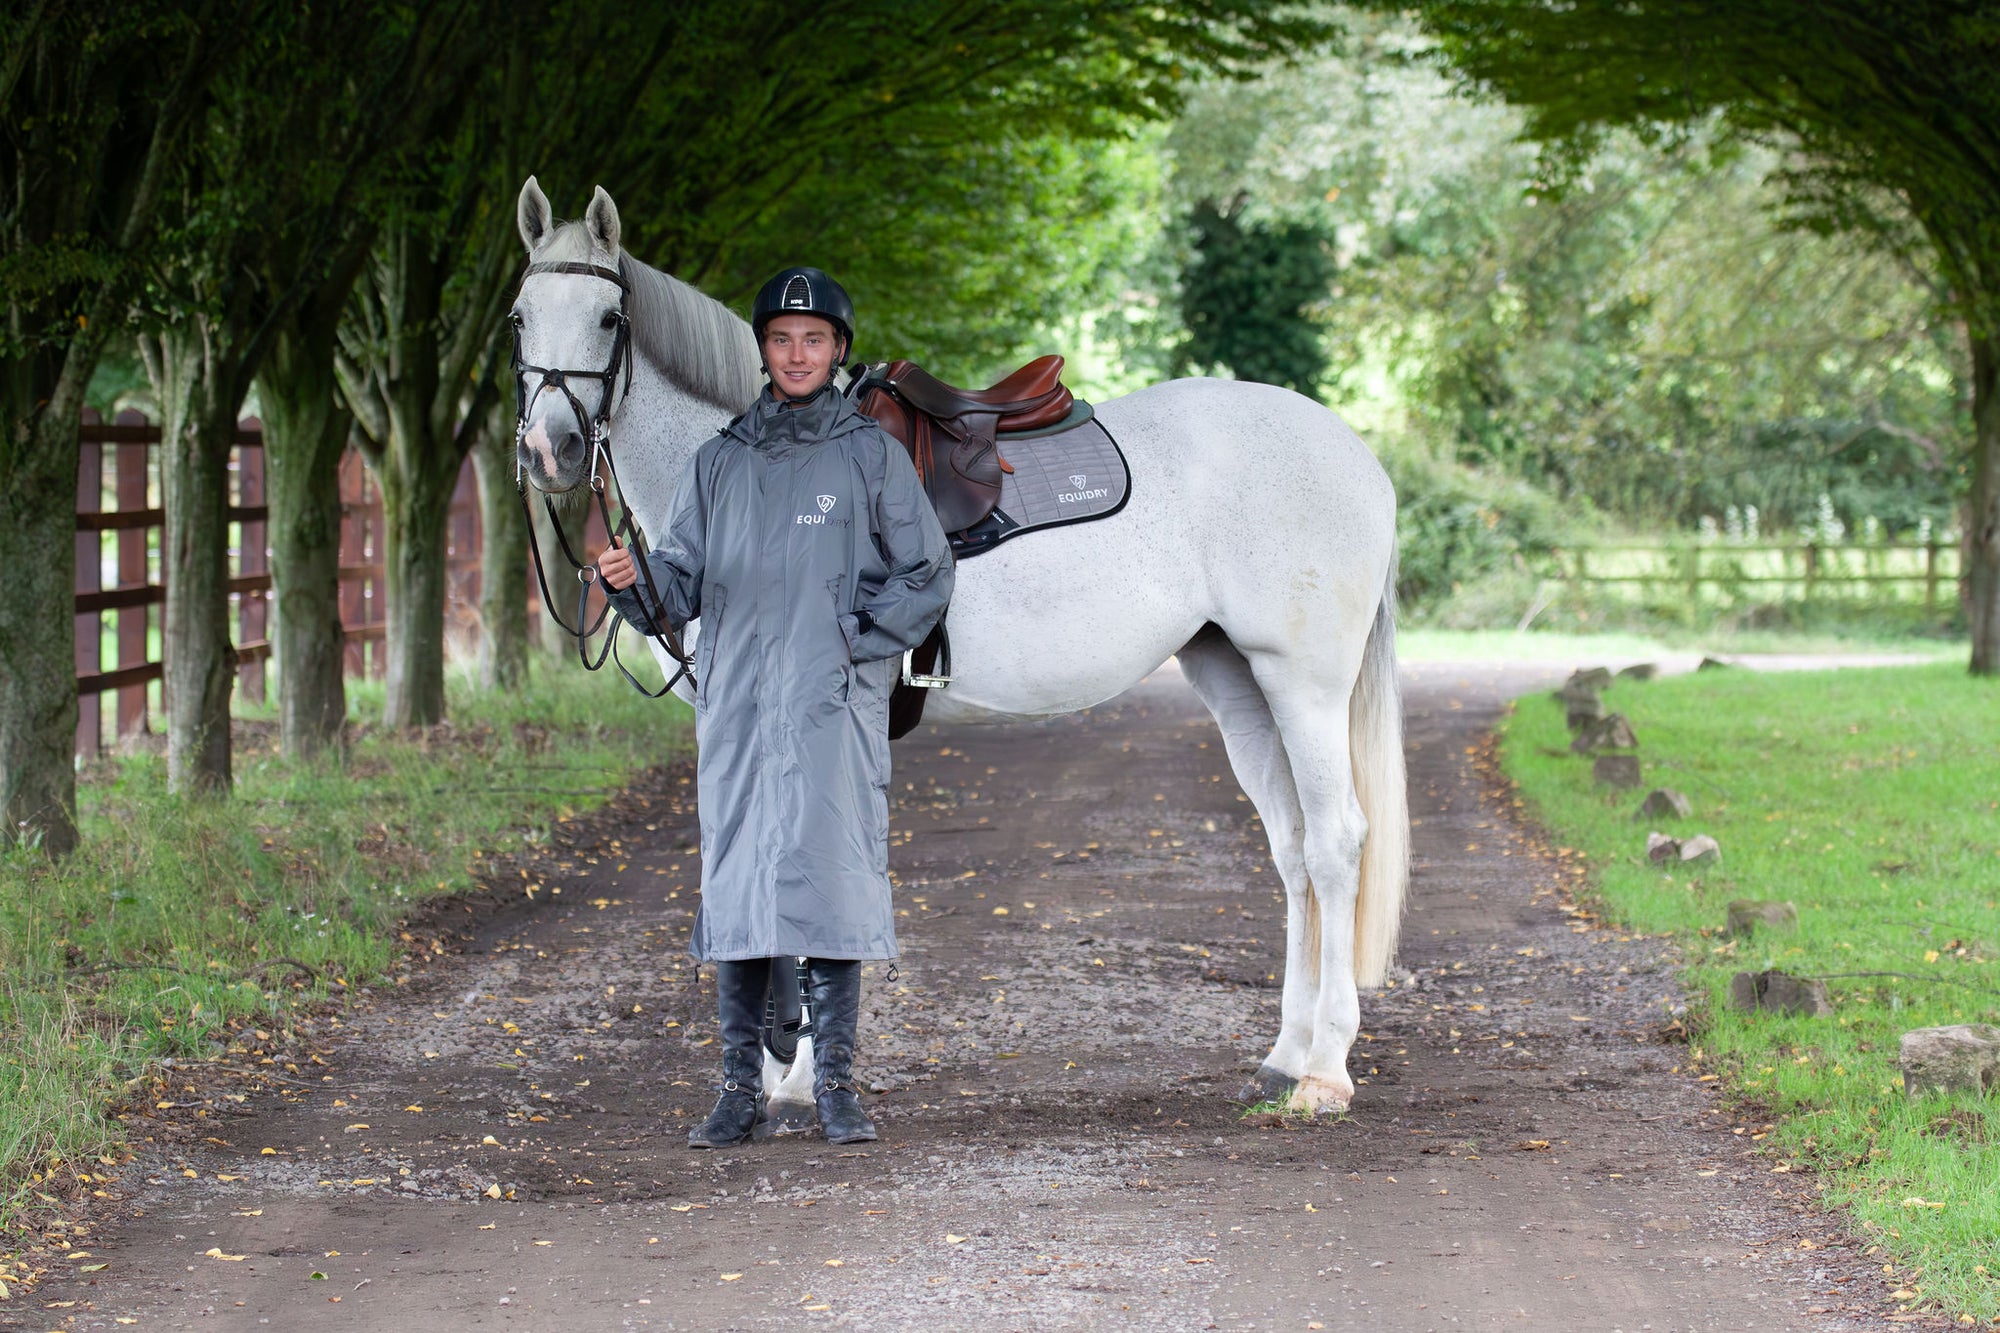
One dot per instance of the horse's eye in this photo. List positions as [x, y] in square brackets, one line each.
[515, 317]
[610, 320]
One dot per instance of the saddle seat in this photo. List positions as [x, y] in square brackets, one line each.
[952, 434]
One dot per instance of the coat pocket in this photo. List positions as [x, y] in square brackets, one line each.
[712, 601]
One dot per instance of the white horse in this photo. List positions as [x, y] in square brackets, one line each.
[1258, 547]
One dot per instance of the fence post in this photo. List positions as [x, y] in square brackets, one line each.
[1812, 568]
[1930, 576]
[134, 622]
[253, 557]
[89, 578]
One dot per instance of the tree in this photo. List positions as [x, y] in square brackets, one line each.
[306, 111]
[1248, 293]
[96, 104]
[1888, 110]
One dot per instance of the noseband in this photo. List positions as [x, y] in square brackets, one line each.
[596, 428]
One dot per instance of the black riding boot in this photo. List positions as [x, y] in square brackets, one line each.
[739, 996]
[836, 995]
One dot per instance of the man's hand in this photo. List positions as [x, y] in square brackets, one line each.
[617, 568]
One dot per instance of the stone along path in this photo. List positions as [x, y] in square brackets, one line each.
[1091, 944]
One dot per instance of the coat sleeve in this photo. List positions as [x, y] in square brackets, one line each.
[676, 561]
[920, 566]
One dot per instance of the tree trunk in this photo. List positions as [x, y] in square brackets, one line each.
[503, 608]
[416, 503]
[37, 614]
[305, 430]
[1981, 553]
[200, 425]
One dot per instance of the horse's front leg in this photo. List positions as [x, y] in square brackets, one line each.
[788, 1094]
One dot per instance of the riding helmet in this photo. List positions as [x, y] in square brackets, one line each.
[805, 291]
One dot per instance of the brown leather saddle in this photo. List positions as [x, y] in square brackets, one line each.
[953, 434]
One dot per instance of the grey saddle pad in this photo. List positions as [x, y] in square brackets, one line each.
[1070, 477]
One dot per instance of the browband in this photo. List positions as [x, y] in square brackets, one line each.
[576, 266]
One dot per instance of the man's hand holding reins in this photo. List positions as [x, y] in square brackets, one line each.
[617, 568]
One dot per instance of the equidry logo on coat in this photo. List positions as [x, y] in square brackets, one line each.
[1081, 494]
[825, 503]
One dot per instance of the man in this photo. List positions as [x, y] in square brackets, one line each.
[803, 540]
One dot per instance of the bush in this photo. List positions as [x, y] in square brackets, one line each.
[1458, 525]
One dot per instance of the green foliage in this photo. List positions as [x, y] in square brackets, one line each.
[1646, 336]
[164, 934]
[1247, 295]
[1887, 101]
[1865, 798]
[1456, 525]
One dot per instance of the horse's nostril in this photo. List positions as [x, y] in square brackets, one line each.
[570, 445]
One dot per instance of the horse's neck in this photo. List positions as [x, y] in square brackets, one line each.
[655, 435]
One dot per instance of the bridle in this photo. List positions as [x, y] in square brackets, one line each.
[597, 429]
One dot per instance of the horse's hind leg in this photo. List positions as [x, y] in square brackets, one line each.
[1223, 680]
[1311, 709]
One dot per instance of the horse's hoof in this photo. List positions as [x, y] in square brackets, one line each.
[1266, 1085]
[783, 1118]
[1320, 1096]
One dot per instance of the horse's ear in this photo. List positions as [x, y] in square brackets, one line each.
[532, 215]
[602, 219]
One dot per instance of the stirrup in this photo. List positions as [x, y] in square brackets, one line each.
[933, 680]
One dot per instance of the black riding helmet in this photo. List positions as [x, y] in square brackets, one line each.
[805, 291]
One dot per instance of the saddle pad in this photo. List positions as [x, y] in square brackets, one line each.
[1070, 477]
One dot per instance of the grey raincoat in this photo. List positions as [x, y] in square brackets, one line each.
[786, 524]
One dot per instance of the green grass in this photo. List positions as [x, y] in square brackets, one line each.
[1871, 800]
[180, 924]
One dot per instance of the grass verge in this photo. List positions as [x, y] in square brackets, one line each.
[186, 928]
[1871, 800]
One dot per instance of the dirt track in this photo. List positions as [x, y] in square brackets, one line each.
[1057, 1148]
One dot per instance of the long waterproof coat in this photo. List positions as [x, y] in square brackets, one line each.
[786, 524]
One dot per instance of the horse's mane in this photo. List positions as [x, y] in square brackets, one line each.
[704, 346]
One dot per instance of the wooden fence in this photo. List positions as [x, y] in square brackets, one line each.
[120, 578]
[1906, 573]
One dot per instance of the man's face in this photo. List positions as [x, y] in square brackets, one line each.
[800, 350]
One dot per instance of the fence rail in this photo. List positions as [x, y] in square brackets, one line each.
[120, 576]
[1768, 571]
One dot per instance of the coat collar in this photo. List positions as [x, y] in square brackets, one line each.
[827, 415]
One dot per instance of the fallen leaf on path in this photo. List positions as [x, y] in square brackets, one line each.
[544, 1242]
[1532, 1145]
[215, 1252]
[250, 1212]
[731, 1277]
[489, 1142]
[836, 1263]
[489, 1226]
[93, 1268]
[950, 1239]
[492, 1191]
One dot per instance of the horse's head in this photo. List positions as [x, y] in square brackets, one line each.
[573, 352]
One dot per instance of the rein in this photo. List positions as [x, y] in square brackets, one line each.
[625, 532]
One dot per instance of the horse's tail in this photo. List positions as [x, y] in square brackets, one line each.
[1375, 738]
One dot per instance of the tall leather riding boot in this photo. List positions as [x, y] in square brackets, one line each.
[836, 995]
[739, 998]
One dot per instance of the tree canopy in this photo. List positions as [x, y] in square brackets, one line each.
[1885, 112]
